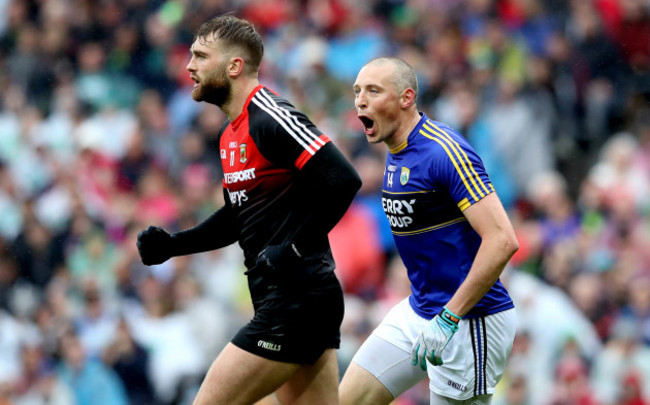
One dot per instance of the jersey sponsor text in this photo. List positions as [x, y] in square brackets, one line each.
[242, 175]
[237, 197]
[398, 212]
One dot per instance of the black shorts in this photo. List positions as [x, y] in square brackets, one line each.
[298, 312]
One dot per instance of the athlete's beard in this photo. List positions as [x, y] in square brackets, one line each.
[215, 88]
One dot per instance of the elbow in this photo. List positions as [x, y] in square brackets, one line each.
[506, 244]
[511, 245]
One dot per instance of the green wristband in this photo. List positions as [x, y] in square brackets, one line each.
[449, 316]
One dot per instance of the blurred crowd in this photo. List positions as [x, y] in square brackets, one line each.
[99, 138]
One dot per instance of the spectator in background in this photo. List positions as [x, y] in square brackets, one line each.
[637, 308]
[12, 337]
[360, 264]
[558, 218]
[369, 164]
[621, 371]
[546, 318]
[96, 325]
[131, 363]
[571, 385]
[618, 176]
[136, 160]
[39, 384]
[8, 279]
[93, 261]
[92, 382]
[173, 349]
[37, 253]
[460, 107]
[509, 116]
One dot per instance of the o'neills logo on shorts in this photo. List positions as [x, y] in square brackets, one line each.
[459, 387]
[269, 346]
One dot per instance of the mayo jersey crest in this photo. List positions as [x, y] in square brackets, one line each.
[440, 176]
[261, 151]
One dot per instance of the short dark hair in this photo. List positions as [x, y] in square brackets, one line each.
[235, 32]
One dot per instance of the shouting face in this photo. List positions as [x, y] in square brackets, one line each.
[378, 102]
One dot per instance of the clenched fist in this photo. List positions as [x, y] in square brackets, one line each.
[155, 245]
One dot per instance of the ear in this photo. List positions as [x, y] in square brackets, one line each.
[407, 98]
[235, 66]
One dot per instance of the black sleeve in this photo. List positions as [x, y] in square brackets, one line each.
[215, 232]
[284, 135]
[325, 188]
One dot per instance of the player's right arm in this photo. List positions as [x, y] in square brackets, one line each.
[155, 245]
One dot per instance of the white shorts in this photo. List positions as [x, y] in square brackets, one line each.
[467, 370]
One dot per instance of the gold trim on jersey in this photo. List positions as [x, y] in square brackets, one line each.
[465, 173]
[451, 157]
[399, 147]
[463, 204]
[431, 228]
[469, 162]
[408, 192]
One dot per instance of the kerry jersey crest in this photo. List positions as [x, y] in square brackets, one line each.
[404, 176]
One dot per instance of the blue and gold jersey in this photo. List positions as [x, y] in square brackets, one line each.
[429, 181]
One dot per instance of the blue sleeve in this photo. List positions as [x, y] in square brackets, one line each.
[460, 171]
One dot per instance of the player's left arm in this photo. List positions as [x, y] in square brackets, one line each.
[460, 170]
[325, 182]
[498, 244]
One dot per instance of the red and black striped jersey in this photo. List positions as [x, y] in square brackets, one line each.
[262, 150]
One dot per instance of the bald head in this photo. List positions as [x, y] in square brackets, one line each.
[384, 95]
[403, 75]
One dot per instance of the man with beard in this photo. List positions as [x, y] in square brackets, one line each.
[286, 185]
[454, 237]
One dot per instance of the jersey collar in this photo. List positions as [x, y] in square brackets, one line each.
[243, 116]
[404, 144]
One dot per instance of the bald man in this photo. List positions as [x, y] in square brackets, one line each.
[455, 238]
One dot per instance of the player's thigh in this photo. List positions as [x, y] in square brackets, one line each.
[360, 387]
[238, 377]
[313, 384]
[386, 354]
[380, 371]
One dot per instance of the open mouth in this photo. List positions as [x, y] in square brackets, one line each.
[368, 124]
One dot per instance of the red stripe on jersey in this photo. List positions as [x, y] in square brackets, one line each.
[306, 155]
